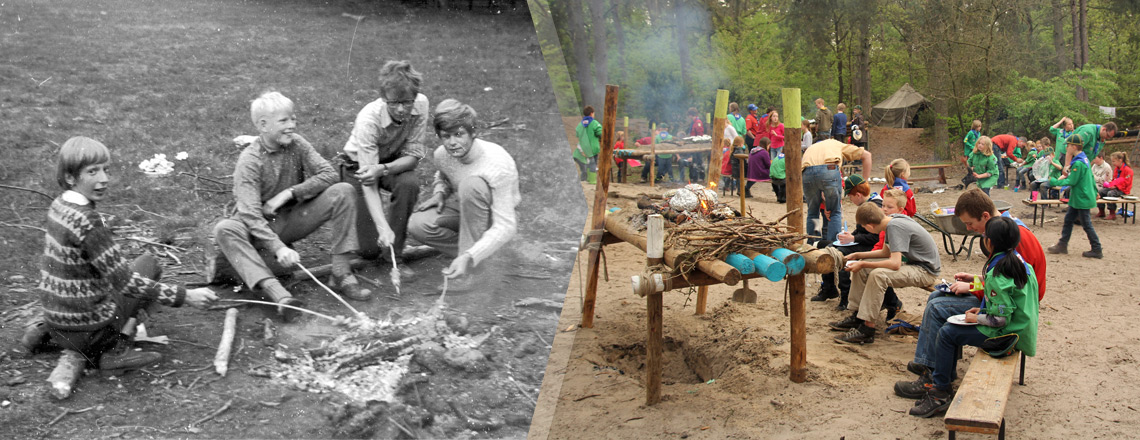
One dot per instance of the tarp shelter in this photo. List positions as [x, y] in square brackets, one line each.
[900, 110]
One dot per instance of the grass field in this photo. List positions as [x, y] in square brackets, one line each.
[158, 76]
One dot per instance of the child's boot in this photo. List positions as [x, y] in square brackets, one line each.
[1111, 215]
[1100, 213]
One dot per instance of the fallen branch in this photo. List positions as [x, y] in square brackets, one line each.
[143, 240]
[521, 390]
[22, 226]
[215, 413]
[222, 358]
[194, 344]
[28, 190]
[183, 173]
[250, 301]
[67, 411]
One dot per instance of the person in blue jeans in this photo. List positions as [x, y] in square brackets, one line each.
[975, 209]
[823, 183]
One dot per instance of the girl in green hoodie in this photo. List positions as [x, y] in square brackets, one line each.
[1008, 307]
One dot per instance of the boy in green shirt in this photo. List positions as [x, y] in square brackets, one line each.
[589, 133]
[1082, 199]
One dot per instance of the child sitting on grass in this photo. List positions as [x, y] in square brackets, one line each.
[983, 164]
[896, 176]
[88, 287]
[1009, 307]
[1082, 199]
[1120, 185]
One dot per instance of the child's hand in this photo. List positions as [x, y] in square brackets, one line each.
[201, 297]
[854, 266]
[964, 277]
[436, 201]
[288, 257]
[385, 236]
[972, 314]
[960, 288]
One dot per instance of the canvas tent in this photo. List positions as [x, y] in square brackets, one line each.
[900, 110]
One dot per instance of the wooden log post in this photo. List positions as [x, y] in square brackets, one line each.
[623, 170]
[796, 284]
[743, 172]
[598, 213]
[717, 138]
[653, 151]
[702, 299]
[66, 373]
[654, 307]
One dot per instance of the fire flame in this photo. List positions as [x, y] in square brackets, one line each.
[712, 185]
[704, 206]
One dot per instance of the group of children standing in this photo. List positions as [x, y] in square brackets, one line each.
[1053, 173]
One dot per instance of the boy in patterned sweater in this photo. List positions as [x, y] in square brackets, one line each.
[88, 288]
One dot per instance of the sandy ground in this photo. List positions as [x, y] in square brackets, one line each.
[726, 373]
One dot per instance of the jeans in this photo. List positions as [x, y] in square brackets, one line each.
[939, 307]
[1071, 216]
[1046, 191]
[950, 337]
[1024, 177]
[589, 166]
[664, 167]
[823, 185]
[1002, 162]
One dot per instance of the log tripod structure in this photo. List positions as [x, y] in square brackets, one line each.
[653, 285]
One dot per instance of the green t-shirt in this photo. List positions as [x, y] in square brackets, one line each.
[1017, 306]
[982, 164]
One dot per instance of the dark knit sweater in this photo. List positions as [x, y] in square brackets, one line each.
[83, 271]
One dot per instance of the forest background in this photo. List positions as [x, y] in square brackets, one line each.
[1016, 65]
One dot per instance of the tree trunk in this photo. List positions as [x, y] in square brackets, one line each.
[581, 52]
[619, 36]
[1084, 33]
[839, 39]
[681, 36]
[1059, 36]
[1080, 42]
[863, 66]
[1074, 15]
[601, 55]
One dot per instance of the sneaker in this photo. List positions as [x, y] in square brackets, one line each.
[917, 368]
[861, 335]
[1059, 248]
[934, 402]
[847, 323]
[350, 288]
[1092, 254]
[127, 359]
[914, 389]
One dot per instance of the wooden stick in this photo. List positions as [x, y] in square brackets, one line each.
[29, 190]
[654, 347]
[143, 240]
[598, 212]
[743, 169]
[702, 299]
[215, 413]
[67, 411]
[327, 289]
[222, 358]
[66, 373]
[22, 226]
[267, 303]
[183, 173]
[796, 283]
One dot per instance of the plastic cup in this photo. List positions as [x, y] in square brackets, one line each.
[1033, 196]
[773, 270]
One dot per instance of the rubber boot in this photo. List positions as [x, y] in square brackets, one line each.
[592, 177]
[1100, 213]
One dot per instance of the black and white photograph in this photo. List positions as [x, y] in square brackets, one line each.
[278, 219]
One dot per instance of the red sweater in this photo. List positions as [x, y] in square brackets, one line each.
[1007, 142]
[1122, 179]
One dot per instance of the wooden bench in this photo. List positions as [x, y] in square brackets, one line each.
[941, 167]
[1041, 204]
[979, 404]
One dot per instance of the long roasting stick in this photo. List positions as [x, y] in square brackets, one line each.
[327, 289]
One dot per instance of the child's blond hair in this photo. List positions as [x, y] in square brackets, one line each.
[898, 196]
[841, 107]
[268, 103]
[976, 125]
[984, 146]
[1121, 156]
[897, 168]
[738, 142]
[77, 153]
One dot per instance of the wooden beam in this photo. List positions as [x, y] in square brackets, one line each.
[654, 346]
[598, 213]
[702, 299]
[743, 172]
[793, 157]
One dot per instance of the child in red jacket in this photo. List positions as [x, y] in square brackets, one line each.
[896, 175]
[1121, 183]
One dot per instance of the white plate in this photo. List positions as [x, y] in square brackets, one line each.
[1111, 199]
[959, 320]
[1130, 197]
[837, 243]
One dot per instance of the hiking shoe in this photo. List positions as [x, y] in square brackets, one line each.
[350, 288]
[822, 296]
[917, 368]
[841, 306]
[934, 402]
[36, 338]
[1093, 254]
[847, 323]
[914, 389]
[860, 335]
[128, 360]
[288, 314]
[461, 284]
[1059, 248]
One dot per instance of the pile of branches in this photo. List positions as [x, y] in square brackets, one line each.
[704, 240]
